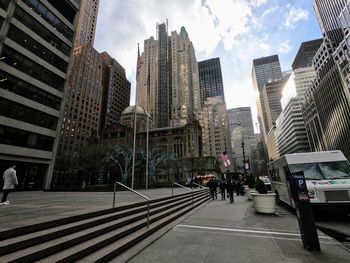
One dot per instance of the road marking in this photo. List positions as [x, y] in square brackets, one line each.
[246, 231]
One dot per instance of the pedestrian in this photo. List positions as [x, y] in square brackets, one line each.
[230, 187]
[210, 184]
[238, 187]
[10, 181]
[222, 187]
[215, 188]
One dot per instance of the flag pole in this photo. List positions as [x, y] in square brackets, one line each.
[147, 125]
[135, 117]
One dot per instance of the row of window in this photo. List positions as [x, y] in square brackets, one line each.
[29, 91]
[50, 18]
[23, 113]
[35, 47]
[24, 64]
[41, 30]
[16, 137]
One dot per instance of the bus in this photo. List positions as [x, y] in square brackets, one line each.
[327, 176]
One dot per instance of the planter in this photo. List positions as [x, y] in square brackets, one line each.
[249, 192]
[264, 203]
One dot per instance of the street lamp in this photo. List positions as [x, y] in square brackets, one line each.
[245, 170]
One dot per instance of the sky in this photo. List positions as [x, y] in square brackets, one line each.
[236, 31]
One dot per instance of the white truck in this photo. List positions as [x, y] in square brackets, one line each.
[327, 176]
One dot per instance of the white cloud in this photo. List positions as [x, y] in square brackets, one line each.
[270, 11]
[285, 47]
[294, 16]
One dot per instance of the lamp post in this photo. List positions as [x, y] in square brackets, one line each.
[245, 170]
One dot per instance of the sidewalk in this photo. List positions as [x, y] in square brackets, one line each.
[223, 232]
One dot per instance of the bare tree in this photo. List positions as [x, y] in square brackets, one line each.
[157, 156]
[121, 155]
[90, 160]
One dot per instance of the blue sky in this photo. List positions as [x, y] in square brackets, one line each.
[237, 31]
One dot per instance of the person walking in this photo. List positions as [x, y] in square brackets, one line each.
[222, 187]
[230, 187]
[10, 181]
[210, 184]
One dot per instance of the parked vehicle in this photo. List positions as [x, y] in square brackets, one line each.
[327, 177]
[267, 182]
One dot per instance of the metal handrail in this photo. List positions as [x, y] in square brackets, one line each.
[132, 190]
[172, 189]
[198, 185]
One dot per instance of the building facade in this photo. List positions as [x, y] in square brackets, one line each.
[264, 70]
[291, 135]
[86, 27]
[36, 42]
[115, 90]
[82, 110]
[215, 128]
[241, 130]
[327, 108]
[168, 80]
[210, 79]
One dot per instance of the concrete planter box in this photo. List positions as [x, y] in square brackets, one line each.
[264, 203]
[249, 192]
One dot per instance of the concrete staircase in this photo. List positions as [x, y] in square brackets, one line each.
[97, 236]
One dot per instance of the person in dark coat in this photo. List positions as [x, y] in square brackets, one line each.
[210, 184]
[222, 187]
[238, 187]
[215, 187]
[230, 187]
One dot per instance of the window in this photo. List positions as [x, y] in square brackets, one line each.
[24, 64]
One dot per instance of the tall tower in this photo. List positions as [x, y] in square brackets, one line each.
[87, 22]
[210, 79]
[83, 104]
[168, 78]
[264, 70]
[163, 76]
[116, 90]
[327, 107]
[215, 131]
[36, 41]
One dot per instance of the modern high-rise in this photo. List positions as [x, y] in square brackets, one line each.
[36, 40]
[327, 106]
[264, 70]
[116, 90]
[81, 113]
[241, 130]
[272, 94]
[167, 78]
[210, 79]
[86, 27]
[290, 133]
[215, 129]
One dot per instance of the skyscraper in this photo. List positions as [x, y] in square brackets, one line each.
[326, 109]
[81, 113]
[35, 46]
[264, 70]
[215, 131]
[241, 130]
[116, 90]
[86, 27]
[210, 79]
[168, 78]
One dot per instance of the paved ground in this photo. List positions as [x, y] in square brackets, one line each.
[223, 232]
[34, 207]
[217, 232]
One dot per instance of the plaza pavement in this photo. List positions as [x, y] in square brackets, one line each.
[216, 232]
